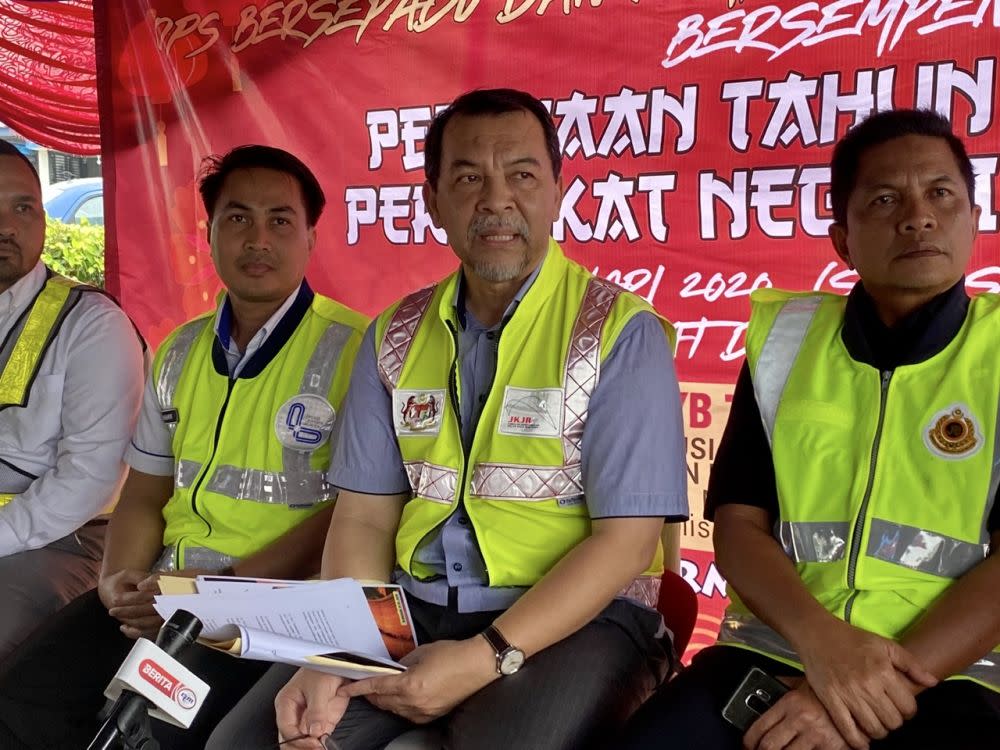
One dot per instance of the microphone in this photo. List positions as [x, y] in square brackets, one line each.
[151, 677]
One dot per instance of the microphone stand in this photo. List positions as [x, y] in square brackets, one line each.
[128, 720]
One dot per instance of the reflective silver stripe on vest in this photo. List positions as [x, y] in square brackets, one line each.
[813, 541]
[432, 482]
[319, 372]
[294, 489]
[173, 362]
[194, 557]
[528, 483]
[399, 335]
[305, 486]
[986, 669]
[583, 363]
[185, 472]
[778, 355]
[923, 550]
[644, 589]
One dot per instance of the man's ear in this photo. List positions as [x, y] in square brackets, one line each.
[838, 237]
[311, 239]
[977, 211]
[430, 203]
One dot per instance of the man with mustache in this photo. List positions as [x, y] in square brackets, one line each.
[228, 460]
[854, 491]
[511, 446]
[71, 372]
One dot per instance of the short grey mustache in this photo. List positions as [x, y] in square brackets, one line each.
[483, 224]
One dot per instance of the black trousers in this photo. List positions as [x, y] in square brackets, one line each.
[687, 712]
[52, 688]
[574, 695]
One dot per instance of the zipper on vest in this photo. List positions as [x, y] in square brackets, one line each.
[211, 458]
[489, 391]
[457, 408]
[859, 522]
[496, 353]
[453, 397]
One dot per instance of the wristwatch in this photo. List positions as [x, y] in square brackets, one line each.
[509, 658]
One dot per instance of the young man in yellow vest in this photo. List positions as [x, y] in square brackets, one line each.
[511, 446]
[71, 373]
[228, 461]
[854, 492]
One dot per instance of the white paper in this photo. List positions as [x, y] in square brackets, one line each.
[331, 613]
[265, 646]
[225, 586]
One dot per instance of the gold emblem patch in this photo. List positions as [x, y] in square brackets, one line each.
[953, 433]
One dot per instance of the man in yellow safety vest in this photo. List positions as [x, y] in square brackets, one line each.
[854, 492]
[228, 461]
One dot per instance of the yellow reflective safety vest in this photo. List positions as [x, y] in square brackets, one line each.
[885, 479]
[521, 482]
[22, 352]
[251, 452]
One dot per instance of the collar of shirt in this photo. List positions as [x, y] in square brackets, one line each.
[916, 338]
[224, 326]
[20, 294]
[468, 320]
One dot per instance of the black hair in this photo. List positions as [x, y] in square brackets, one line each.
[878, 129]
[488, 102]
[9, 149]
[215, 169]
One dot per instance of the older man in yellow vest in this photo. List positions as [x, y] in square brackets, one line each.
[854, 492]
[511, 447]
[71, 372]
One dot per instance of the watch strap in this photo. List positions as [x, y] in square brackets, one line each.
[495, 638]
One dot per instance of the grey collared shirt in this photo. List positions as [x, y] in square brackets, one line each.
[633, 447]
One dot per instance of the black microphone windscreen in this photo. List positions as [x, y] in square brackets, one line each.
[179, 632]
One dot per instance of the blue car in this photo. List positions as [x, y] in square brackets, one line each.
[72, 200]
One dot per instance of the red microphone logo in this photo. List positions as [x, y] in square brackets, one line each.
[167, 684]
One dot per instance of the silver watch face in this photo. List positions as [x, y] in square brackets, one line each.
[511, 661]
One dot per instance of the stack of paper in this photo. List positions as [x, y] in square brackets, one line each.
[340, 626]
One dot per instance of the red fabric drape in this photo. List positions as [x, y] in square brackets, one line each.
[48, 74]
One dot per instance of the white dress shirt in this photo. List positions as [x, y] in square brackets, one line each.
[81, 410]
[151, 450]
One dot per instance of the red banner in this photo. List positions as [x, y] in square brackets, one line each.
[696, 137]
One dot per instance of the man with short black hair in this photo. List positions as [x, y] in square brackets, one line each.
[511, 446]
[854, 491]
[228, 460]
[71, 372]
